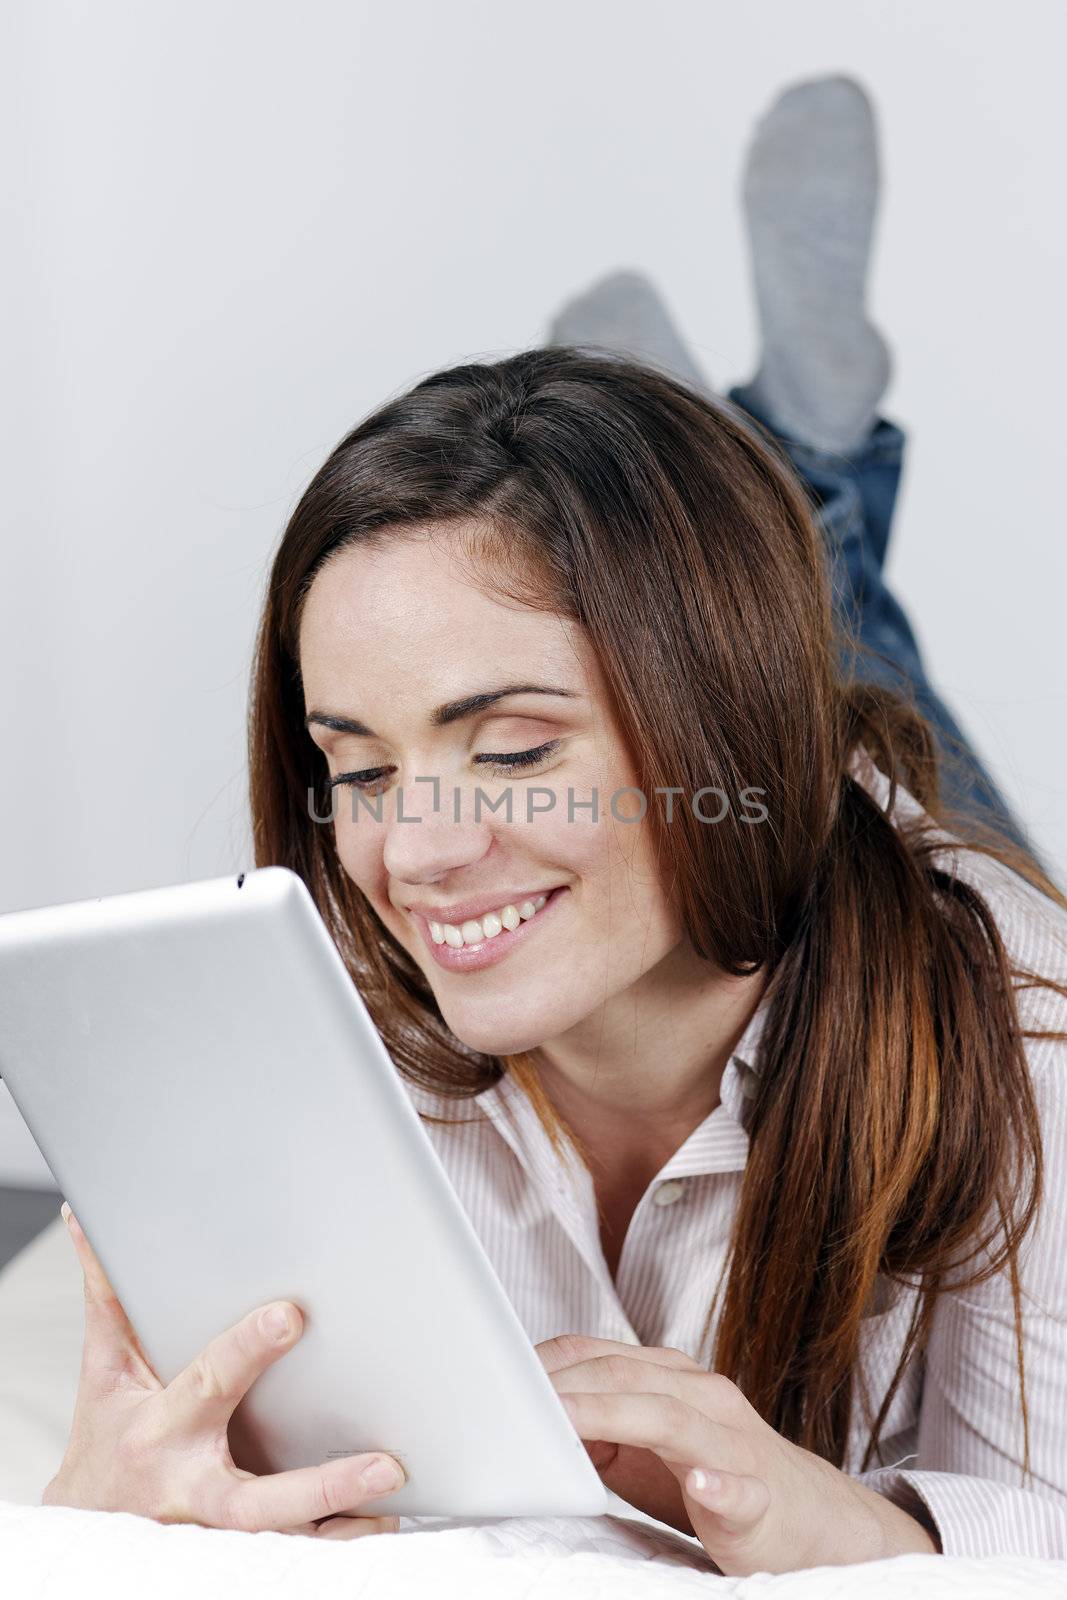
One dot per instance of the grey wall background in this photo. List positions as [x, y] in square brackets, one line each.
[239, 226]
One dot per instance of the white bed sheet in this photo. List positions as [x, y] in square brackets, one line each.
[49, 1551]
[52, 1551]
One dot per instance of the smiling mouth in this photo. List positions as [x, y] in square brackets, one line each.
[476, 930]
[481, 941]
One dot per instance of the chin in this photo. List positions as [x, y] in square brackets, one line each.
[500, 1041]
[501, 1036]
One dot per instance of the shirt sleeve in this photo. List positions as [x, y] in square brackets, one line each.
[967, 1485]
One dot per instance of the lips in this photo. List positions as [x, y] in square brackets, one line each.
[474, 910]
[487, 952]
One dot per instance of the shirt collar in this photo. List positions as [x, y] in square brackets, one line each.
[748, 1049]
[718, 1144]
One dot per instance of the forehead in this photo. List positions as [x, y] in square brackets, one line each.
[411, 606]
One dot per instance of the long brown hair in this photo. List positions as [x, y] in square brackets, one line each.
[895, 1129]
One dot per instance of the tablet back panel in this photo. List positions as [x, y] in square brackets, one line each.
[215, 1102]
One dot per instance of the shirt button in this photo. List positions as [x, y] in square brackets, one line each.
[668, 1193]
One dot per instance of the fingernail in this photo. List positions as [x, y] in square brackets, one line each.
[275, 1323]
[64, 1212]
[708, 1482]
[380, 1475]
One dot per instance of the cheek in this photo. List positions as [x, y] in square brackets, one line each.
[579, 845]
[638, 924]
[359, 849]
[625, 909]
[625, 913]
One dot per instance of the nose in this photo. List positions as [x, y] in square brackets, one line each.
[424, 840]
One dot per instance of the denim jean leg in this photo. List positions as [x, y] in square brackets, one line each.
[854, 497]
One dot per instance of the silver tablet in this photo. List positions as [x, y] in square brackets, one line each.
[209, 1090]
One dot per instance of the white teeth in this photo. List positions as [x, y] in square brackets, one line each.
[488, 927]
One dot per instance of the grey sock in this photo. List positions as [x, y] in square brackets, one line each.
[810, 195]
[624, 313]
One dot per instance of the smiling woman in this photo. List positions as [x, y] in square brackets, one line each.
[440, 847]
[559, 578]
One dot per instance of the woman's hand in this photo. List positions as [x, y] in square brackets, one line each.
[163, 1451]
[684, 1445]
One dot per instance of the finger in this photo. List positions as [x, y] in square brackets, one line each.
[205, 1394]
[111, 1344]
[709, 1392]
[304, 1494]
[348, 1527]
[568, 1349]
[675, 1430]
[356, 1527]
[738, 1500]
[99, 1295]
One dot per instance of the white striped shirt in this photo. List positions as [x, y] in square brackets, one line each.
[952, 1441]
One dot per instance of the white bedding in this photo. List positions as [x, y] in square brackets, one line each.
[50, 1551]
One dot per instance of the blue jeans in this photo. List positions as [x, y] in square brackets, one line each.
[854, 498]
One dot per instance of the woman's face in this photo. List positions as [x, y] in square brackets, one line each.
[391, 635]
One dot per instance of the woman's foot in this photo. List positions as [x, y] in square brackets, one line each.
[810, 194]
[623, 313]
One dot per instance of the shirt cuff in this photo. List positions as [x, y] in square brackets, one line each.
[975, 1516]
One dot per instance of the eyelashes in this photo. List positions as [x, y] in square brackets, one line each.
[520, 758]
[513, 761]
[357, 780]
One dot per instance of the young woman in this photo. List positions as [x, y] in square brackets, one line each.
[744, 1050]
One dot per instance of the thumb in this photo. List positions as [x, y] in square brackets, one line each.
[110, 1341]
[738, 1502]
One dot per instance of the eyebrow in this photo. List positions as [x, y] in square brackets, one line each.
[451, 711]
